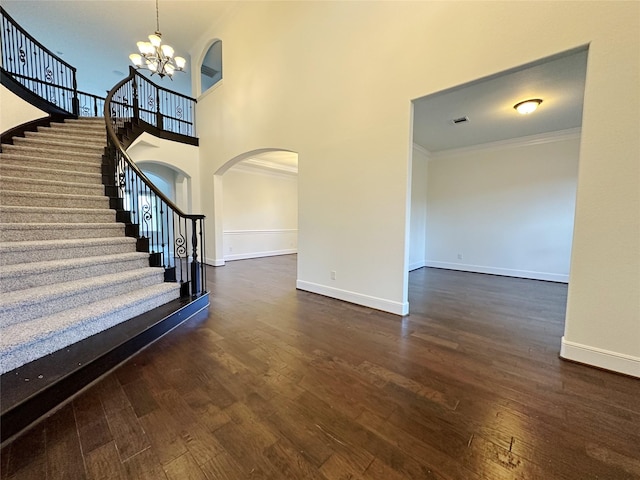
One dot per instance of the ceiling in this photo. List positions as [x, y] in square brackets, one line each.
[98, 36]
[488, 104]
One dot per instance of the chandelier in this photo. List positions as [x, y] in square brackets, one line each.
[156, 57]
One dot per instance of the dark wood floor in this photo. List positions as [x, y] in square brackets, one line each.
[280, 384]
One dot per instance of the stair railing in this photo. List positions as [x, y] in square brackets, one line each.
[36, 68]
[174, 239]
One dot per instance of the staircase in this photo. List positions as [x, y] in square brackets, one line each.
[67, 270]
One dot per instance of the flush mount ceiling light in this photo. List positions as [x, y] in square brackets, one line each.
[155, 57]
[528, 106]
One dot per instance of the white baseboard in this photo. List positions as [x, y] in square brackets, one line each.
[385, 305]
[245, 256]
[214, 262]
[598, 357]
[550, 277]
[417, 265]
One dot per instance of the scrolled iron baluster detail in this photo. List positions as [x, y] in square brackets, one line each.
[22, 55]
[145, 214]
[179, 112]
[181, 246]
[48, 74]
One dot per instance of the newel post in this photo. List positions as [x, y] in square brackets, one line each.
[195, 269]
[75, 103]
[136, 105]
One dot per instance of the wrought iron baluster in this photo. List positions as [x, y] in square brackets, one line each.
[156, 224]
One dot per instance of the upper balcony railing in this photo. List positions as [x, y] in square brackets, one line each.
[150, 107]
[38, 69]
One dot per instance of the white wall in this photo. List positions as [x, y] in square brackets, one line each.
[182, 158]
[342, 101]
[14, 111]
[418, 222]
[505, 208]
[260, 213]
[163, 177]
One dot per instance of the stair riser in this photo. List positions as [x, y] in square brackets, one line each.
[50, 174]
[52, 153]
[58, 217]
[47, 144]
[19, 185]
[34, 309]
[58, 202]
[85, 122]
[52, 163]
[57, 253]
[19, 282]
[16, 356]
[57, 233]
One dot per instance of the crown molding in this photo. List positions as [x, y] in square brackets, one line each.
[422, 150]
[256, 166]
[539, 139]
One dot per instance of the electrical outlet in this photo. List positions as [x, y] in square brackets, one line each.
[459, 256]
[333, 275]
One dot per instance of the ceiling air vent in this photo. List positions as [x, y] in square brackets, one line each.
[208, 71]
[457, 121]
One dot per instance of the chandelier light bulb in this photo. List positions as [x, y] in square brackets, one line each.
[180, 63]
[167, 50]
[155, 39]
[136, 59]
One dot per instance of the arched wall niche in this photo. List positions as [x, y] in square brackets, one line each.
[210, 67]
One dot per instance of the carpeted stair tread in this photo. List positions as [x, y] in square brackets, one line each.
[91, 132]
[37, 151]
[57, 163]
[36, 274]
[60, 200]
[21, 305]
[29, 340]
[41, 250]
[50, 186]
[97, 139]
[27, 171]
[60, 143]
[10, 232]
[25, 215]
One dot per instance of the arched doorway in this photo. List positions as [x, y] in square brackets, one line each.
[256, 205]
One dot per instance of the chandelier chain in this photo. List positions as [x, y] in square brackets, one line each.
[157, 17]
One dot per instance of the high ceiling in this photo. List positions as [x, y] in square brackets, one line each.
[98, 36]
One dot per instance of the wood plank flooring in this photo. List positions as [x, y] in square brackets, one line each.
[274, 383]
